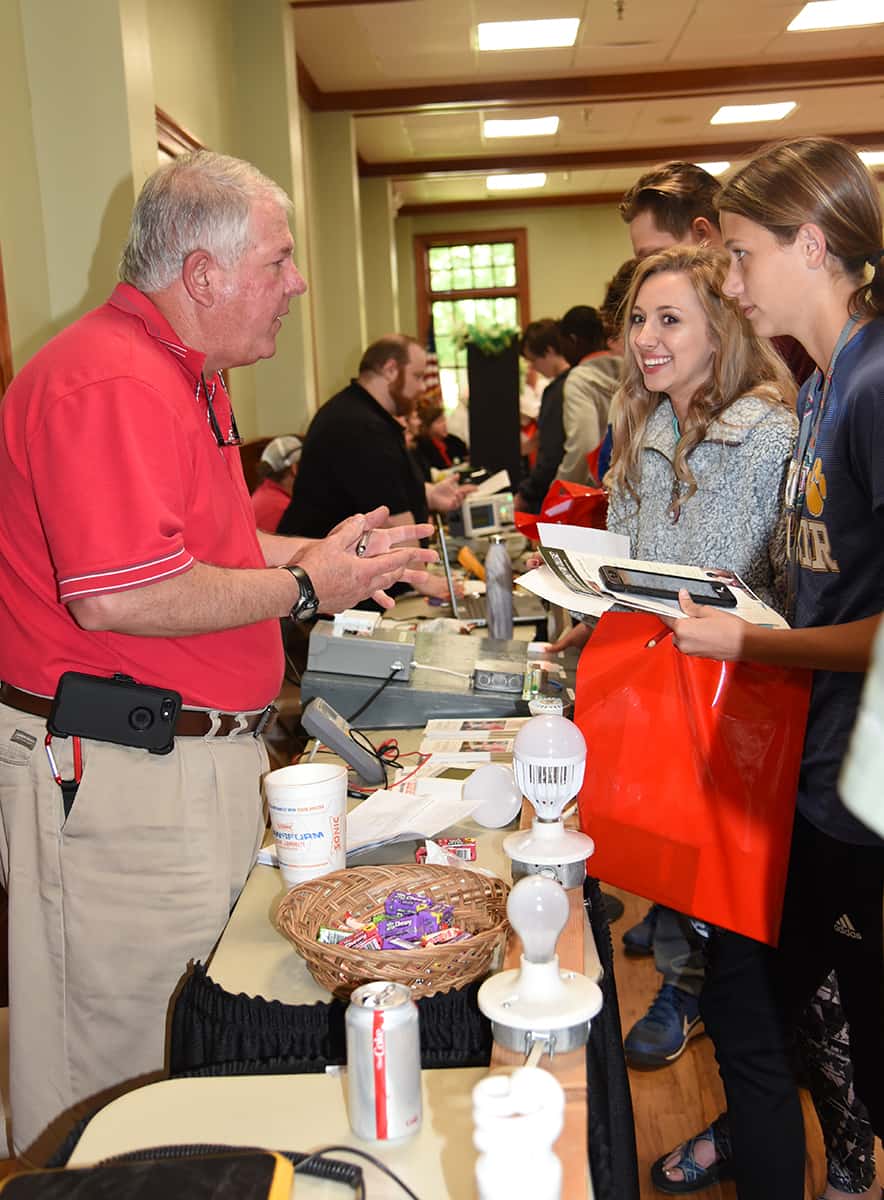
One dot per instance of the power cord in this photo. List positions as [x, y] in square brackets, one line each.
[310, 1164]
[443, 670]
[375, 1162]
[394, 669]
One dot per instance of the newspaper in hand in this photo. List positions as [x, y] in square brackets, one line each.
[573, 580]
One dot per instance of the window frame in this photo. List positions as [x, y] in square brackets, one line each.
[424, 242]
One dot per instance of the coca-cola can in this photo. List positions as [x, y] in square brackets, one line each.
[383, 1062]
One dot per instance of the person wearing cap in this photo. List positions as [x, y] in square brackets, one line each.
[277, 468]
[128, 547]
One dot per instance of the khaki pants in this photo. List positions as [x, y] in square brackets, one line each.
[107, 907]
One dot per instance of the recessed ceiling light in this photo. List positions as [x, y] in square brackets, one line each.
[872, 158]
[528, 35]
[527, 127]
[713, 168]
[515, 183]
[837, 14]
[737, 114]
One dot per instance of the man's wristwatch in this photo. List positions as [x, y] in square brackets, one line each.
[307, 603]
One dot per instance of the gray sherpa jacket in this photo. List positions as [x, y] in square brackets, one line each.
[734, 519]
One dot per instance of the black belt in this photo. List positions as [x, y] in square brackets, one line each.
[190, 723]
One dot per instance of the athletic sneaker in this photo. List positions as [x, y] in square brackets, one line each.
[663, 1032]
[639, 939]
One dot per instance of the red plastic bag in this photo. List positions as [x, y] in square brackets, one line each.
[567, 504]
[691, 774]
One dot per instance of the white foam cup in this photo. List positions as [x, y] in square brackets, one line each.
[308, 816]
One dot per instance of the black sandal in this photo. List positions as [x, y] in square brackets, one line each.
[695, 1177]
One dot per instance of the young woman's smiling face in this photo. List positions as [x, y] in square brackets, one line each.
[669, 337]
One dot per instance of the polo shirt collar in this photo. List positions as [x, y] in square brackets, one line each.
[129, 299]
[366, 395]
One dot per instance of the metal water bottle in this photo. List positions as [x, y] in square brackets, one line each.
[499, 589]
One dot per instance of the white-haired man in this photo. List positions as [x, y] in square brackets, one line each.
[128, 547]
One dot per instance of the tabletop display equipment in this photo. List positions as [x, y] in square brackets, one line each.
[549, 757]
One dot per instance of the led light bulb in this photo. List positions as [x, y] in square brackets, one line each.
[549, 737]
[538, 910]
[549, 757]
[493, 790]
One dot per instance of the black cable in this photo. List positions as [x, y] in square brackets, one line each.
[375, 1162]
[311, 1164]
[357, 736]
[374, 695]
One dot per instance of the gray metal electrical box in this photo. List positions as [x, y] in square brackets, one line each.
[371, 655]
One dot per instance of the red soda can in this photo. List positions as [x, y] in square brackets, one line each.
[383, 1062]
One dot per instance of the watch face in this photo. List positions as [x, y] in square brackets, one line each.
[307, 602]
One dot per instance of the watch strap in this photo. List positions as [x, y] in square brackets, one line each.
[307, 603]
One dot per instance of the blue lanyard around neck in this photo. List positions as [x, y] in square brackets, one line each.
[805, 453]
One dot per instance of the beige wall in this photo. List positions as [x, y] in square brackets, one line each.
[572, 252]
[21, 225]
[192, 51]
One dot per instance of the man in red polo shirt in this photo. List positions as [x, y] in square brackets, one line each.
[128, 546]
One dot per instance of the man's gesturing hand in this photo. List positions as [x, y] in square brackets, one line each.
[707, 632]
[342, 578]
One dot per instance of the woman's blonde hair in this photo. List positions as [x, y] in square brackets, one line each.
[819, 181]
[742, 364]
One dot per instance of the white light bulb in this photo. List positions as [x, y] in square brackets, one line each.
[538, 910]
[549, 737]
[549, 758]
[492, 789]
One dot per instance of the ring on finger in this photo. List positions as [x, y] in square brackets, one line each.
[362, 544]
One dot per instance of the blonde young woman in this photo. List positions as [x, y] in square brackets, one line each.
[802, 222]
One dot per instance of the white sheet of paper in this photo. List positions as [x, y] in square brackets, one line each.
[586, 541]
[498, 482]
[545, 583]
[386, 816]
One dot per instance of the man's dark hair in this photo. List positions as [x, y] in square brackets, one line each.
[541, 337]
[584, 326]
[675, 193]
[395, 345]
[615, 294]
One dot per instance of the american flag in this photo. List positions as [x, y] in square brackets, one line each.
[432, 390]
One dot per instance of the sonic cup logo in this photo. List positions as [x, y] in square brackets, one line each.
[336, 833]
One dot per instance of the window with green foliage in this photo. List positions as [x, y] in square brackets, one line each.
[476, 278]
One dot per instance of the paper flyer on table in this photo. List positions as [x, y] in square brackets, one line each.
[571, 578]
[473, 727]
[390, 816]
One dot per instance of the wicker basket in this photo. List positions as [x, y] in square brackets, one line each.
[479, 904]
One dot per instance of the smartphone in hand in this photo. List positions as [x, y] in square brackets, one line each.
[666, 587]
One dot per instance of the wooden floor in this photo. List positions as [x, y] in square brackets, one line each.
[672, 1103]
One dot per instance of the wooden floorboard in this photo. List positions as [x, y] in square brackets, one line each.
[672, 1103]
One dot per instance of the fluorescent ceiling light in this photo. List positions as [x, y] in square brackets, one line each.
[515, 183]
[837, 14]
[527, 35]
[713, 168]
[527, 127]
[737, 114]
[872, 158]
